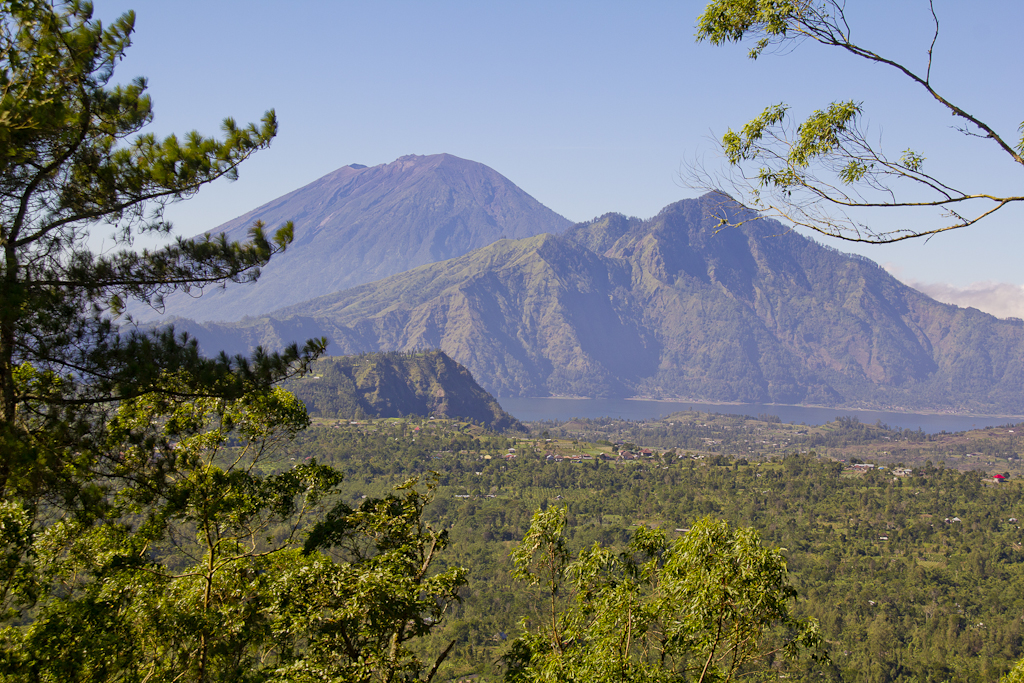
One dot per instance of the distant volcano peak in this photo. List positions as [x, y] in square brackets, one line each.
[358, 224]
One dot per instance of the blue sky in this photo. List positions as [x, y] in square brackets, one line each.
[589, 106]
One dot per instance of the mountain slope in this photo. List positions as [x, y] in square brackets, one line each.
[360, 224]
[397, 385]
[673, 307]
[761, 313]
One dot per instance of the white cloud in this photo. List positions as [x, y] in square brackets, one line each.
[1001, 299]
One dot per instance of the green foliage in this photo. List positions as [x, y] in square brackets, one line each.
[912, 160]
[74, 158]
[178, 565]
[148, 528]
[1016, 674]
[821, 133]
[743, 146]
[811, 174]
[731, 21]
[713, 605]
[80, 425]
[383, 596]
[541, 557]
[935, 601]
[217, 570]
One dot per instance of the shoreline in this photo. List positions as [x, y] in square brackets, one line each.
[683, 401]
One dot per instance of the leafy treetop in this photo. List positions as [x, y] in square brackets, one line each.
[814, 172]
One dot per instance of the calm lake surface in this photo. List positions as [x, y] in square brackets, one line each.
[532, 409]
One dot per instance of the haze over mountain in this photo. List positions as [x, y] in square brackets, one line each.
[671, 307]
[359, 224]
[1001, 299]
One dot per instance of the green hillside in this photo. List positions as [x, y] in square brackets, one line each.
[397, 385]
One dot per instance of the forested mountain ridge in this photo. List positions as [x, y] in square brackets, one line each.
[672, 307]
[359, 224]
[397, 385]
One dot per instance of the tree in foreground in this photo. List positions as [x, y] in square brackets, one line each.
[74, 159]
[713, 605]
[1015, 675]
[817, 173]
[149, 528]
[234, 568]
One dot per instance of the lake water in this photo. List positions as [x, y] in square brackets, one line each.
[532, 409]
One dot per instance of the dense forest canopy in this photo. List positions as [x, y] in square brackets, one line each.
[910, 575]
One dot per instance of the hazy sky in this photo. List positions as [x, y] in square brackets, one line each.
[590, 107]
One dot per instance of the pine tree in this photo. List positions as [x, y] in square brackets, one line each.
[148, 530]
[73, 156]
